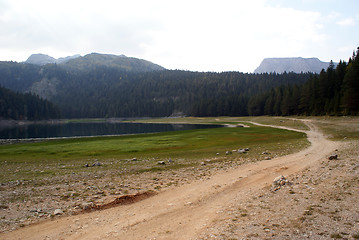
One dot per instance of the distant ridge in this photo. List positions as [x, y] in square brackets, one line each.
[297, 65]
[114, 61]
[92, 60]
[40, 59]
[43, 59]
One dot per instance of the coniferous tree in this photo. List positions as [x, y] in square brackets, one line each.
[26, 106]
[351, 86]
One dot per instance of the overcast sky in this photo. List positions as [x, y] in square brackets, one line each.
[227, 35]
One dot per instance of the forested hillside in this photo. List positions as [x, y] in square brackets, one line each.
[335, 91]
[25, 106]
[114, 86]
[101, 86]
[111, 92]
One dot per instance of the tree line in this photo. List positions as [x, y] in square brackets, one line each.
[25, 106]
[109, 93]
[335, 91]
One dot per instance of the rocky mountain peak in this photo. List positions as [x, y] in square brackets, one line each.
[297, 65]
[43, 59]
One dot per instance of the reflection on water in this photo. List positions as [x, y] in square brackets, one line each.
[91, 129]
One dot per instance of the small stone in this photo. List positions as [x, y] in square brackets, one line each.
[96, 164]
[58, 212]
[333, 157]
[86, 165]
[241, 150]
[267, 158]
[134, 159]
[278, 182]
[161, 163]
[87, 206]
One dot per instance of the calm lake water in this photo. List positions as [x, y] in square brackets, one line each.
[91, 129]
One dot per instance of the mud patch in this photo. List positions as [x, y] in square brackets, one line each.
[123, 200]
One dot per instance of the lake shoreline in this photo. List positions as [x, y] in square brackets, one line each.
[12, 132]
[12, 122]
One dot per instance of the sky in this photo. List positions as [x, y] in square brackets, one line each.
[195, 35]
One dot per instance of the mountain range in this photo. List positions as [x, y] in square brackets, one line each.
[43, 59]
[297, 65]
[103, 85]
[95, 60]
[268, 65]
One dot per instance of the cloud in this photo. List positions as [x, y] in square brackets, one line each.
[346, 22]
[195, 35]
[80, 26]
[345, 49]
[333, 15]
[232, 35]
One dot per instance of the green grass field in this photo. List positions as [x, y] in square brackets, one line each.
[28, 161]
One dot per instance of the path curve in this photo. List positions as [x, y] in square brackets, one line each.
[182, 212]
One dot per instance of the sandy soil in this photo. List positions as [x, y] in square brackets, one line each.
[319, 201]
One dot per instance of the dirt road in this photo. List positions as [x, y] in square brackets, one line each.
[182, 212]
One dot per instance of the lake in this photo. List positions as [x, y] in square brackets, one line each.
[81, 129]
